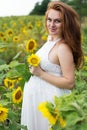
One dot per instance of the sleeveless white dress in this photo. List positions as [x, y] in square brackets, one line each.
[36, 90]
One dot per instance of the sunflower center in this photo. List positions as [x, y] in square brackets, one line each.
[30, 27]
[1, 112]
[18, 94]
[31, 45]
[16, 39]
[10, 32]
[9, 83]
[34, 60]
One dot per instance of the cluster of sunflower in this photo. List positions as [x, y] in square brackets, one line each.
[11, 85]
[32, 58]
[17, 90]
[10, 103]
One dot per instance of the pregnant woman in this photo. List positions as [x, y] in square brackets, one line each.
[60, 56]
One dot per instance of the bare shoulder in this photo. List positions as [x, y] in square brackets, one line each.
[63, 47]
[64, 53]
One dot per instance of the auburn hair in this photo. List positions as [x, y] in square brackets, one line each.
[71, 30]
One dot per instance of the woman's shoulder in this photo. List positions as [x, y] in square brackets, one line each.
[62, 45]
[63, 49]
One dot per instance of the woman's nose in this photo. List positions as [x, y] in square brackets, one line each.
[52, 23]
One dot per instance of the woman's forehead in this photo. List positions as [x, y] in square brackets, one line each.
[54, 13]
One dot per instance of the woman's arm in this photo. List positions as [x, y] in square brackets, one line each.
[65, 81]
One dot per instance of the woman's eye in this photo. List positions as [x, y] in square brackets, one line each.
[57, 21]
[49, 20]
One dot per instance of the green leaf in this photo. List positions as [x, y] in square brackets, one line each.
[13, 64]
[8, 95]
[83, 126]
[3, 89]
[4, 102]
[2, 127]
[17, 55]
[13, 73]
[21, 126]
[2, 61]
[23, 70]
[2, 76]
[78, 109]
[4, 67]
[73, 118]
[3, 45]
[13, 115]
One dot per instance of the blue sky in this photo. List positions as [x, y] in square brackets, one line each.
[16, 7]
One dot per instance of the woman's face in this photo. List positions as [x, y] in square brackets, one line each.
[54, 23]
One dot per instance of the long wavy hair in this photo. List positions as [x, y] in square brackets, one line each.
[71, 29]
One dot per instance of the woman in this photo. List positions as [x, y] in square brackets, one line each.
[60, 55]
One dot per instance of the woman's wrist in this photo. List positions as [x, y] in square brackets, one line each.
[42, 74]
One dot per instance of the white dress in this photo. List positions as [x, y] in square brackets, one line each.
[37, 90]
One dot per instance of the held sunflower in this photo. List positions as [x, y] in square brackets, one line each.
[33, 60]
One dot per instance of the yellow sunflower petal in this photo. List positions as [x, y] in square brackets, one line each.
[45, 112]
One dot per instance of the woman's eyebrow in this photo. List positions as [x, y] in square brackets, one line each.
[56, 19]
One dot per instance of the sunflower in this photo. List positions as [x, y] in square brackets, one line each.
[16, 39]
[30, 26]
[4, 39]
[31, 45]
[33, 60]
[9, 32]
[45, 112]
[1, 35]
[2, 49]
[17, 95]
[9, 83]
[3, 113]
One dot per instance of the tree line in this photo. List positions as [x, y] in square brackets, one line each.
[79, 5]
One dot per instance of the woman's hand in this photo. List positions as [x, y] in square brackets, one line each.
[36, 70]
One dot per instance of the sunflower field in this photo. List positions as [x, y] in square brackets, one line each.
[20, 38]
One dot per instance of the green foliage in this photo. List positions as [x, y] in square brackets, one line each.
[13, 65]
[13, 70]
[73, 109]
[79, 5]
[40, 8]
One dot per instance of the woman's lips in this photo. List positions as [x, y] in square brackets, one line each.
[52, 29]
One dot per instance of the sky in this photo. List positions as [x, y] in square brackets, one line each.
[16, 7]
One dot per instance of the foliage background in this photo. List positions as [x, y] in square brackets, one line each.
[15, 31]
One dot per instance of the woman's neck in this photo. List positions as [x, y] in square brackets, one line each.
[52, 38]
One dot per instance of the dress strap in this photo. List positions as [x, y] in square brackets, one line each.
[52, 43]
